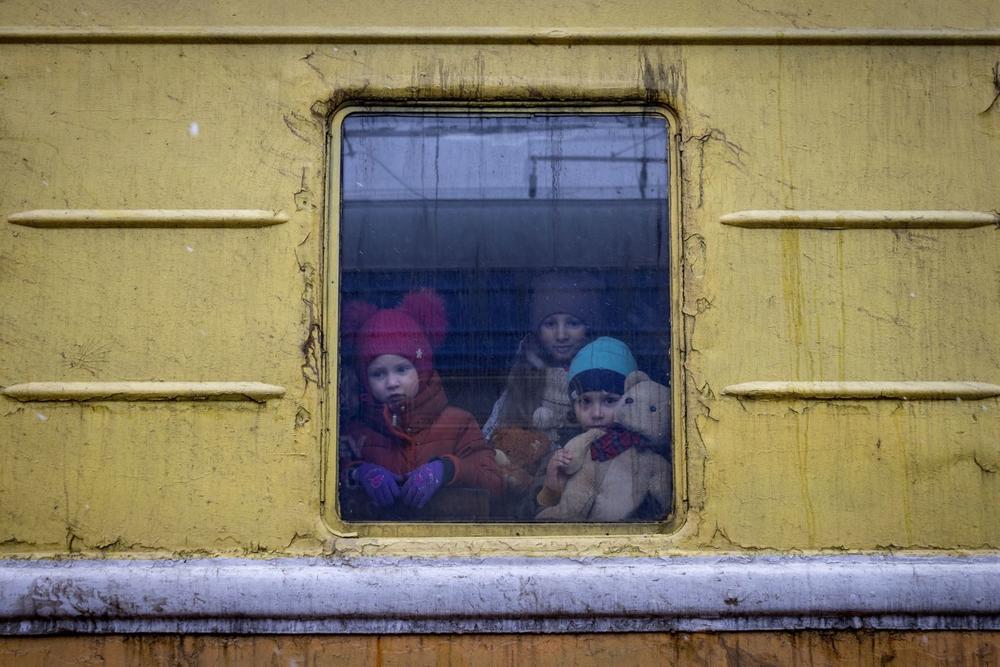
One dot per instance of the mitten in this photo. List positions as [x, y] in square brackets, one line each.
[554, 411]
[381, 485]
[544, 418]
[423, 483]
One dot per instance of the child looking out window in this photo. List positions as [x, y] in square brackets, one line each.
[596, 382]
[564, 310]
[410, 441]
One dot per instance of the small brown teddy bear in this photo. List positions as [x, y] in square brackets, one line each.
[612, 489]
[518, 453]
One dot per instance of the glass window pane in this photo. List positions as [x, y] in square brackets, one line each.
[502, 276]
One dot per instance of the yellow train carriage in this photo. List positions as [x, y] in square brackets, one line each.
[791, 211]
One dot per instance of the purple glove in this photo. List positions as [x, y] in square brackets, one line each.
[381, 485]
[423, 483]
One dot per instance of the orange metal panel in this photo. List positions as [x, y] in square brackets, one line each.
[751, 648]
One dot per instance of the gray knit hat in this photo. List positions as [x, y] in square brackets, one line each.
[578, 294]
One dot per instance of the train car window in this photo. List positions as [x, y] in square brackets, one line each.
[504, 315]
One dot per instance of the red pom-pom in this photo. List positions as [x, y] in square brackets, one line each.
[427, 309]
[353, 316]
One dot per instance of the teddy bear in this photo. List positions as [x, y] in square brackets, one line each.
[612, 489]
[518, 453]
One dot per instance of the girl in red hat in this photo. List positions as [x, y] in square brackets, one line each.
[411, 442]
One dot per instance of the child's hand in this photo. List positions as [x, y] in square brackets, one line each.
[381, 485]
[423, 483]
[555, 471]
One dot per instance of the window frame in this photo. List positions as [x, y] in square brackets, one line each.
[330, 281]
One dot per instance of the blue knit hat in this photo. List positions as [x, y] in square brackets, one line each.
[600, 366]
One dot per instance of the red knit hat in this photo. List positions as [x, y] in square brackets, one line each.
[411, 330]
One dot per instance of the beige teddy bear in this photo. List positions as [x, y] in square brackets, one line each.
[612, 490]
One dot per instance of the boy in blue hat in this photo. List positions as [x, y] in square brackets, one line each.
[596, 384]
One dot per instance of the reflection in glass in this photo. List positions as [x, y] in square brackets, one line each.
[481, 256]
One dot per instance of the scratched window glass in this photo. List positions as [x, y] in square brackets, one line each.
[504, 320]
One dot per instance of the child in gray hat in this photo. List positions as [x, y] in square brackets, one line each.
[565, 310]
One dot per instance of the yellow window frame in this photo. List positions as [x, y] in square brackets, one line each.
[440, 536]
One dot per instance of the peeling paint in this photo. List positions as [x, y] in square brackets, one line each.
[714, 135]
[996, 89]
[304, 196]
[302, 417]
[313, 344]
[989, 465]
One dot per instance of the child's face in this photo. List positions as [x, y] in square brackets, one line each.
[596, 409]
[392, 379]
[562, 335]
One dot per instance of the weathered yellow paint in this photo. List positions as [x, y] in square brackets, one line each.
[903, 124]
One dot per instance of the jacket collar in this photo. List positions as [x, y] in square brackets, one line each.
[416, 415]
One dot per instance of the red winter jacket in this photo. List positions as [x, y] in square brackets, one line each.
[428, 428]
